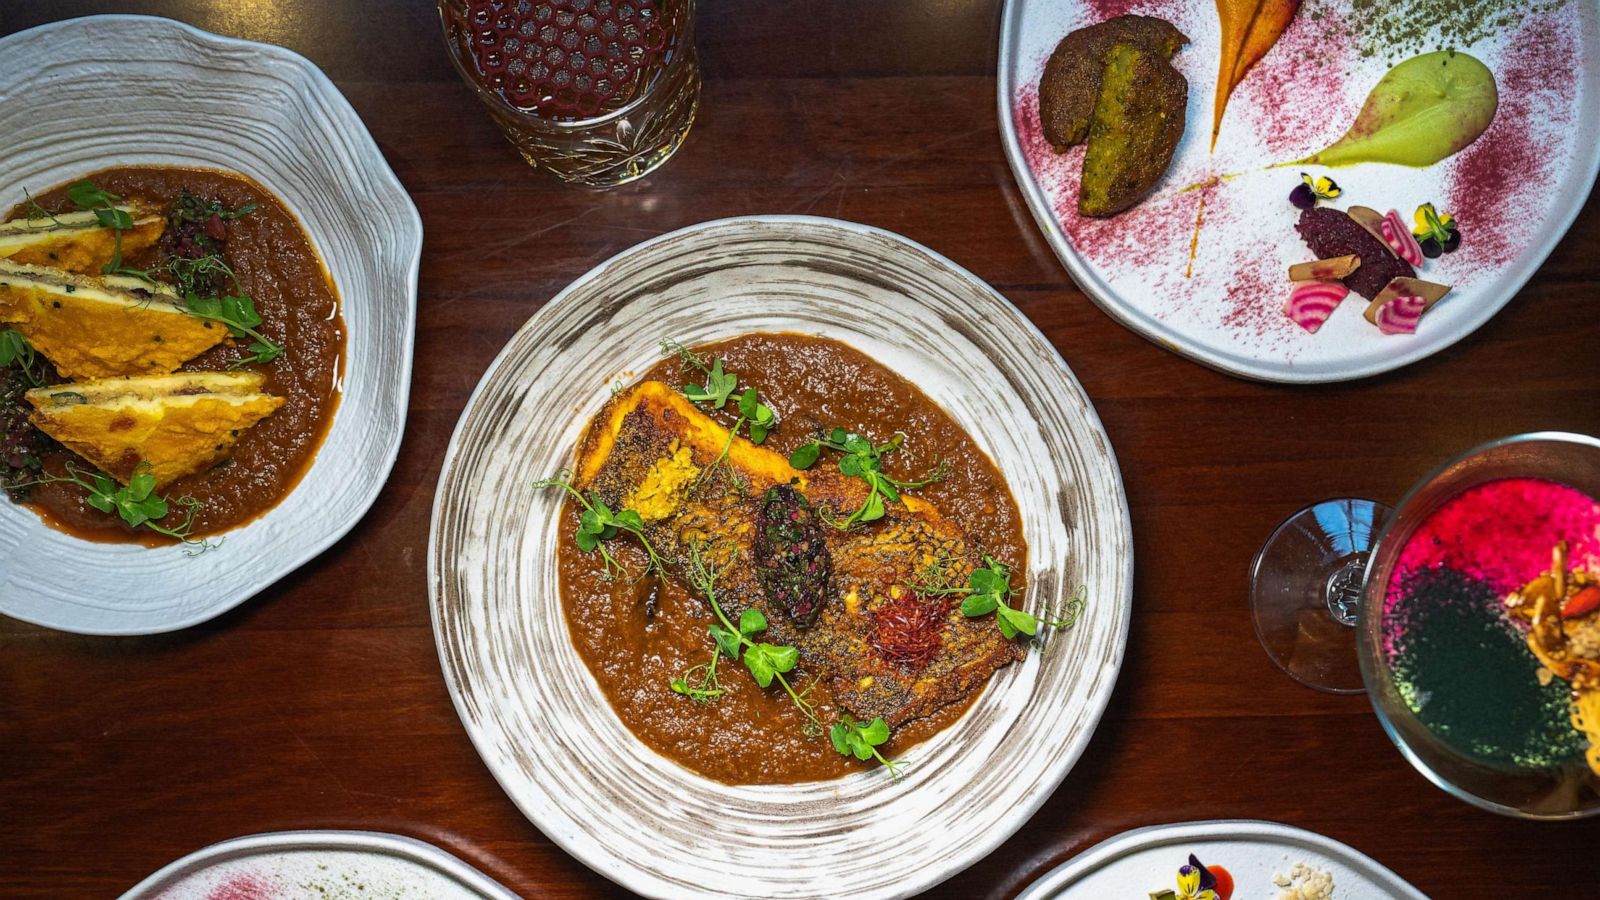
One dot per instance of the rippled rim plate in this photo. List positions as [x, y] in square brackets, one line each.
[102, 91]
[311, 863]
[1228, 316]
[539, 719]
[1136, 862]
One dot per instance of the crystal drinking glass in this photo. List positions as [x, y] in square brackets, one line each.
[594, 92]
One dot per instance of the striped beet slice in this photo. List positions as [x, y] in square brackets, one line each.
[1310, 303]
[1400, 315]
[1400, 238]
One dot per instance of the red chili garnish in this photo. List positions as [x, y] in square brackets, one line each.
[909, 631]
[1582, 603]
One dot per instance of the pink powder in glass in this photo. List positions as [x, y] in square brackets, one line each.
[1502, 532]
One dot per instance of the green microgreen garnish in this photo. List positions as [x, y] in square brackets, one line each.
[598, 524]
[852, 738]
[700, 683]
[719, 387]
[864, 459]
[988, 589]
[235, 311]
[15, 350]
[42, 213]
[767, 662]
[136, 503]
[87, 195]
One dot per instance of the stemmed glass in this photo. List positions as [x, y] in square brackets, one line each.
[1318, 593]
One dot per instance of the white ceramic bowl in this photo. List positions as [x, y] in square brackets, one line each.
[102, 91]
[540, 720]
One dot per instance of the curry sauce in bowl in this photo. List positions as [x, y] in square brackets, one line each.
[243, 289]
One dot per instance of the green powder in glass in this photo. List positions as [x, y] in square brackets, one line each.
[1469, 677]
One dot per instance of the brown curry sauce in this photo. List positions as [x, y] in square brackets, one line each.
[280, 269]
[637, 636]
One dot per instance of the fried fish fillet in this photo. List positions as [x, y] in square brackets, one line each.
[178, 424]
[76, 241]
[1137, 124]
[654, 452]
[1071, 81]
[99, 327]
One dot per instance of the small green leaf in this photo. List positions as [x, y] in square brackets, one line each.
[876, 733]
[751, 621]
[87, 194]
[805, 455]
[114, 218]
[872, 510]
[1013, 621]
[748, 401]
[838, 435]
[783, 658]
[630, 519]
[852, 465]
[988, 581]
[727, 641]
[102, 502]
[587, 541]
[758, 432]
[839, 734]
[760, 666]
[978, 604]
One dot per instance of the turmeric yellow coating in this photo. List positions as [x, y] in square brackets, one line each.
[99, 327]
[78, 243]
[177, 424]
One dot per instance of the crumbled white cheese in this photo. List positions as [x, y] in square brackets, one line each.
[1304, 882]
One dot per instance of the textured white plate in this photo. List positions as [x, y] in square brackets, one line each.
[321, 864]
[91, 93]
[1515, 191]
[541, 722]
[1134, 863]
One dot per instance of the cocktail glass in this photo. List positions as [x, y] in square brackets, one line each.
[1318, 591]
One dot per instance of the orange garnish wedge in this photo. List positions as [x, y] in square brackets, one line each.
[1249, 29]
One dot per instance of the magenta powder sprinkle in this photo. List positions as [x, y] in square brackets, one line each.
[1503, 531]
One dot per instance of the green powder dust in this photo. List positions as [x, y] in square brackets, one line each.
[1399, 29]
[1468, 676]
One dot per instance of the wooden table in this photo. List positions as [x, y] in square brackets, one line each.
[319, 704]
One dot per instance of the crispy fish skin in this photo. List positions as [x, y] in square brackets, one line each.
[651, 428]
[76, 241]
[177, 424]
[1072, 76]
[1137, 124]
[99, 327]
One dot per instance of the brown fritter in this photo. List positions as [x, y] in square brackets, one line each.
[1071, 81]
[652, 455]
[1137, 124]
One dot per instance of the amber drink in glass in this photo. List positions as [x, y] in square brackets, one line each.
[594, 92]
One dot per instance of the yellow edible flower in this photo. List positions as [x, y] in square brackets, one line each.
[1322, 186]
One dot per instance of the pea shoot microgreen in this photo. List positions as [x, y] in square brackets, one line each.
[863, 459]
[597, 524]
[719, 387]
[700, 683]
[989, 590]
[193, 279]
[861, 740]
[39, 212]
[15, 350]
[87, 195]
[136, 503]
[767, 662]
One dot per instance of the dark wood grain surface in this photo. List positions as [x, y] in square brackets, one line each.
[319, 704]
